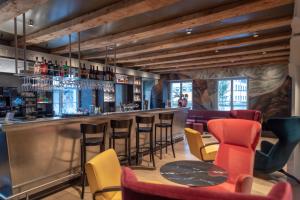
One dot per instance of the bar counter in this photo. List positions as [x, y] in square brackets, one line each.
[41, 153]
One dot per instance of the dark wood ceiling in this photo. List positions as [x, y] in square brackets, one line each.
[151, 35]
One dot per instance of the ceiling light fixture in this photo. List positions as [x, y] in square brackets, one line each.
[216, 50]
[255, 35]
[30, 23]
[188, 31]
[264, 52]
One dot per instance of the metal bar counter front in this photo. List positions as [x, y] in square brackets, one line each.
[39, 154]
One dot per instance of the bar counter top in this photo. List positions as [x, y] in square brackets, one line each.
[4, 125]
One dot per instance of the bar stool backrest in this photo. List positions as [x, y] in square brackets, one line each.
[125, 123]
[92, 129]
[163, 117]
[147, 121]
[144, 119]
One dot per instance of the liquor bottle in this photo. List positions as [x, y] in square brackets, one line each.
[98, 74]
[107, 74]
[37, 66]
[50, 68]
[80, 71]
[44, 67]
[56, 69]
[112, 76]
[104, 74]
[66, 69]
[61, 70]
[83, 74]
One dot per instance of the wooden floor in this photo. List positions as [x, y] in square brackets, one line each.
[261, 185]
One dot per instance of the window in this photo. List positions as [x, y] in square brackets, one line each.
[179, 88]
[233, 94]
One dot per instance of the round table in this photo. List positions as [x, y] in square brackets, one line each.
[193, 173]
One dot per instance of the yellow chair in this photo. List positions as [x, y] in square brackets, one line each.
[205, 152]
[104, 176]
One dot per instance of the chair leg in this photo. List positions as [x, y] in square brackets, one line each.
[83, 176]
[172, 142]
[160, 142]
[137, 148]
[290, 176]
[129, 151]
[155, 139]
[166, 139]
[151, 150]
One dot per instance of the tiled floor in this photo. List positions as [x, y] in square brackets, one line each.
[261, 185]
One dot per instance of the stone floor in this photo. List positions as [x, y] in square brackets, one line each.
[261, 185]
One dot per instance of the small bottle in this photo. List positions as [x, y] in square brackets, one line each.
[50, 68]
[61, 70]
[56, 69]
[44, 67]
[66, 69]
[37, 67]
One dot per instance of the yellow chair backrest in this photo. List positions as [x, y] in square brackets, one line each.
[103, 171]
[195, 142]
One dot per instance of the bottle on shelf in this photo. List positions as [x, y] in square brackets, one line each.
[66, 69]
[56, 69]
[61, 70]
[37, 66]
[50, 68]
[90, 76]
[44, 67]
[84, 72]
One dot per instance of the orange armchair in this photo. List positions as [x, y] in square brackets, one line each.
[205, 152]
[238, 139]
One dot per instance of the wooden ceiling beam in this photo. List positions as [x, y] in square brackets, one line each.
[235, 52]
[230, 59]
[13, 8]
[114, 12]
[205, 48]
[273, 60]
[198, 38]
[188, 21]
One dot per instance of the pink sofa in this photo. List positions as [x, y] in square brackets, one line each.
[132, 189]
[203, 116]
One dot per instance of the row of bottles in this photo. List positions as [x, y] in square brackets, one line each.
[54, 69]
[93, 73]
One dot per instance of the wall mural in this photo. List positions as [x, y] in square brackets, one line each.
[269, 87]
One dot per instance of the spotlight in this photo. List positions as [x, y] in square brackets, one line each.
[217, 51]
[264, 52]
[188, 31]
[255, 35]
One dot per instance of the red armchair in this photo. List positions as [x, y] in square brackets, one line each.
[132, 189]
[238, 139]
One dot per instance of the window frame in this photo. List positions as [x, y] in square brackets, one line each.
[179, 81]
[232, 89]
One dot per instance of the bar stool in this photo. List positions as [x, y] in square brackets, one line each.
[88, 139]
[144, 125]
[166, 122]
[118, 132]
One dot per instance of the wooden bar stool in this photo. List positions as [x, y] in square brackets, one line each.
[166, 122]
[88, 132]
[145, 126]
[121, 129]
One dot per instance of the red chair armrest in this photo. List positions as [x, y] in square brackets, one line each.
[243, 184]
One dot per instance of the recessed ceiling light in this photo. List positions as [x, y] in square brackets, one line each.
[255, 35]
[30, 23]
[264, 52]
[189, 31]
[216, 50]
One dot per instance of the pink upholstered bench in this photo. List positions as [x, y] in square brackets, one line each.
[189, 124]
